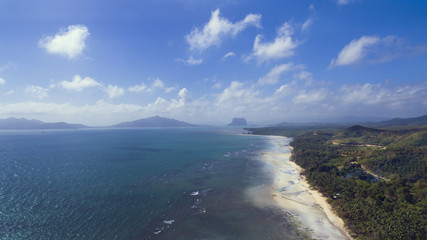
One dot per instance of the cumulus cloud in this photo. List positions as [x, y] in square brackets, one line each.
[100, 113]
[170, 89]
[138, 88]
[273, 76]
[78, 83]
[236, 93]
[282, 46]
[375, 94]
[68, 42]
[156, 84]
[311, 97]
[114, 91]
[2, 81]
[304, 76]
[217, 29]
[37, 91]
[240, 99]
[355, 51]
[291, 101]
[182, 106]
[277, 71]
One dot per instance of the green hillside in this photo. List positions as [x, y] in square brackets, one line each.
[375, 179]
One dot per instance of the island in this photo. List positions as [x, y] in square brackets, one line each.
[238, 122]
[25, 124]
[155, 121]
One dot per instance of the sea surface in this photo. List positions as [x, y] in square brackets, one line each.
[179, 183]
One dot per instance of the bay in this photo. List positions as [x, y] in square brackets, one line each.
[177, 183]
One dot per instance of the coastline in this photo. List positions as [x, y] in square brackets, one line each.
[292, 194]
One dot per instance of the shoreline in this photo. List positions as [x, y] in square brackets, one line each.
[292, 194]
[326, 207]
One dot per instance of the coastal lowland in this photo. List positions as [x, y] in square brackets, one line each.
[375, 179]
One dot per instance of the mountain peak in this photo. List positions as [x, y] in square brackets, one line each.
[155, 121]
[238, 122]
[25, 124]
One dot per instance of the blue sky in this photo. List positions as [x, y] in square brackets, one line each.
[205, 62]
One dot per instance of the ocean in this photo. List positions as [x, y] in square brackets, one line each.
[177, 183]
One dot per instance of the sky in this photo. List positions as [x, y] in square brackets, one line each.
[207, 61]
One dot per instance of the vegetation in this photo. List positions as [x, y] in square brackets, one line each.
[291, 131]
[375, 179]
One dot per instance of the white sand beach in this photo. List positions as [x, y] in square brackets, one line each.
[293, 195]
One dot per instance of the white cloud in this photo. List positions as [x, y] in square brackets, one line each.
[378, 100]
[170, 89]
[114, 91]
[369, 49]
[9, 93]
[306, 24]
[236, 94]
[217, 29]
[277, 71]
[375, 94]
[156, 84]
[2, 81]
[343, 2]
[228, 55]
[79, 84]
[193, 61]
[289, 102]
[241, 100]
[304, 76]
[183, 94]
[37, 91]
[355, 51]
[365, 94]
[217, 85]
[273, 76]
[68, 42]
[182, 107]
[282, 46]
[6, 66]
[98, 114]
[282, 91]
[138, 88]
[312, 97]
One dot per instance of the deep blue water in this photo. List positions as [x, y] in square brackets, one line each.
[133, 184]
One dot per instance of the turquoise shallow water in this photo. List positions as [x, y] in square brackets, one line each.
[133, 184]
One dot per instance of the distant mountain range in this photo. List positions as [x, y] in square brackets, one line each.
[25, 124]
[154, 122]
[416, 121]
